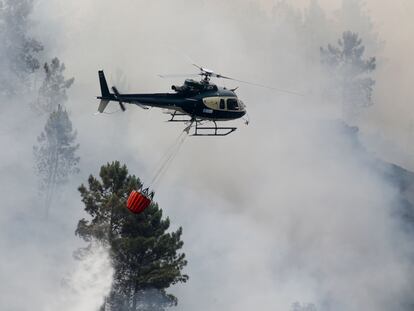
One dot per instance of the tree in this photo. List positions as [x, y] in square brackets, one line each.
[52, 93]
[144, 254]
[19, 52]
[55, 155]
[350, 71]
[354, 14]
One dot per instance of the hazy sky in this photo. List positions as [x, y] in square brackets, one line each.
[392, 125]
[395, 122]
[286, 209]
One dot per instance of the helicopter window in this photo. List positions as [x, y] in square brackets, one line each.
[232, 104]
[222, 104]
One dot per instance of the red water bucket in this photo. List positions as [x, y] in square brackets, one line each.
[138, 202]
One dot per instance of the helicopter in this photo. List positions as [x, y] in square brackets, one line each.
[194, 102]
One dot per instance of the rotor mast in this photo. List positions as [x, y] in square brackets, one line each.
[205, 73]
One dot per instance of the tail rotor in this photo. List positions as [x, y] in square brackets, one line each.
[121, 104]
[107, 96]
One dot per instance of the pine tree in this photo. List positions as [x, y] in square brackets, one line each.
[145, 255]
[55, 155]
[52, 93]
[350, 71]
[355, 15]
[19, 52]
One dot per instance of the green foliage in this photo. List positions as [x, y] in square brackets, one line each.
[52, 93]
[144, 254]
[350, 70]
[55, 155]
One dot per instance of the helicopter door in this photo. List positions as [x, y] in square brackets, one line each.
[211, 102]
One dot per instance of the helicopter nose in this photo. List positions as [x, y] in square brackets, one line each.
[242, 105]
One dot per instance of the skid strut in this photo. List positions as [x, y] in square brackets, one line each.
[179, 117]
[212, 130]
[199, 129]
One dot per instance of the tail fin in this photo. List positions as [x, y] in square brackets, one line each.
[103, 104]
[106, 95]
[104, 86]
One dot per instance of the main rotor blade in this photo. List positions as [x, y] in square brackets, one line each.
[208, 72]
[197, 66]
[121, 104]
[179, 75]
[259, 85]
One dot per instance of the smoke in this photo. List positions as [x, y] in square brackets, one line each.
[290, 208]
[85, 288]
[37, 253]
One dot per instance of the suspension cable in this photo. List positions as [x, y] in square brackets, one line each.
[166, 160]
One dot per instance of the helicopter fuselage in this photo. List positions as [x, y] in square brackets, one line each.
[198, 100]
[220, 105]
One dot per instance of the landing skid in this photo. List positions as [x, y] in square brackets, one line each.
[212, 130]
[179, 117]
[200, 130]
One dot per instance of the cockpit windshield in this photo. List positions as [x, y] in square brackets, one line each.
[232, 104]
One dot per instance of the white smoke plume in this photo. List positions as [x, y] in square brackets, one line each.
[86, 286]
[291, 208]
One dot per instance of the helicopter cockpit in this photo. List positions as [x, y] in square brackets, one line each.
[227, 103]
